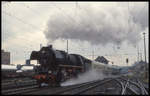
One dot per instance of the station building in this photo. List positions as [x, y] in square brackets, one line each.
[5, 57]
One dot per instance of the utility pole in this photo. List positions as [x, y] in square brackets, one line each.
[145, 56]
[67, 52]
[141, 55]
[144, 47]
[67, 46]
[11, 58]
[138, 53]
[93, 54]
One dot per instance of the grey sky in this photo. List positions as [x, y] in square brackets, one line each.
[25, 25]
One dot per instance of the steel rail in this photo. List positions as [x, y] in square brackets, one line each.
[17, 85]
[5, 84]
[91, 87]
[125, 87]
[75, 87]
[133, 91]
[122, 86]
[14, 79]
[144, 90]
[19, 90]
[136, 84]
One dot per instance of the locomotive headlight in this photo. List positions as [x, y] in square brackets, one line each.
[49, 71]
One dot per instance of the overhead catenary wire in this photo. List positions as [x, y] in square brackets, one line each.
[19, 19]
[31, 9]
[31, 25]
[27, 41]
[24, 45]
[68, 16]
[139, 33]
[35, 11]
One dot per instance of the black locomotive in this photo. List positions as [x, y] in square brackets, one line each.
[57, 66]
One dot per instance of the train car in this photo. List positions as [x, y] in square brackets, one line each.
[57, 66]
[8, 71]
[105, 68]
[87, 63]
[26, 71]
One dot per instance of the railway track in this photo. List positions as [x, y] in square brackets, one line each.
[103, 88]
[30, 89]
[20, 90]
[17, 81]
[77, 89]
[14, 80]
[71, 89]
[115, 86]
[143, 87]
[121, 87]
[132, 87]
[126, 88]
[17, 84]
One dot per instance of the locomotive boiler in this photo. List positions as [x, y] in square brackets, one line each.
[57, 66]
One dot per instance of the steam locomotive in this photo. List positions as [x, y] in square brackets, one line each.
[57, 66]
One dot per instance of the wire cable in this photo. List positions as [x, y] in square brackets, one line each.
[19, 19]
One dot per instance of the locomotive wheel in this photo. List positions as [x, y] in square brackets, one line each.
[49, 83]
[57, 84]
[39, 83]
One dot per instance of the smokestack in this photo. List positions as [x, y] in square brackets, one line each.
[50, 46]
[67, 46]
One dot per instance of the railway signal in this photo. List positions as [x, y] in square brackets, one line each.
[127, 60]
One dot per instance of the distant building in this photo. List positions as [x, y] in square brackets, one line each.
[28, 62]
[101, 59]
[5, 57]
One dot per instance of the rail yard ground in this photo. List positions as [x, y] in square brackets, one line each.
[117, 86]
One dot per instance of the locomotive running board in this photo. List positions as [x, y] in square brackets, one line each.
[70, 66]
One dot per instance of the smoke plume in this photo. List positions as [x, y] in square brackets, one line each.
[99, 24]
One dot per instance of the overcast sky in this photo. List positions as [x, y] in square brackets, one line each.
[108, 28]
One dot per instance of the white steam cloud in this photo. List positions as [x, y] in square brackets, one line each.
[100, 24]
[88, 76]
